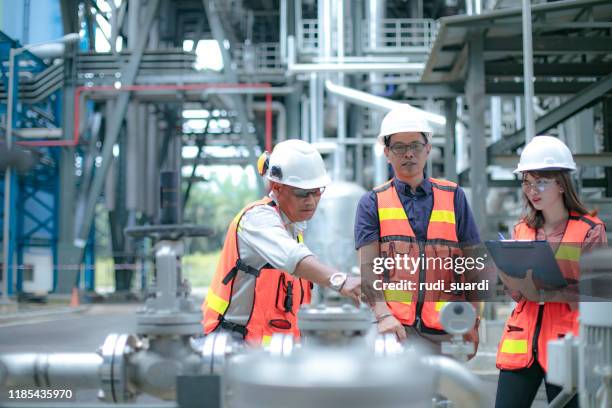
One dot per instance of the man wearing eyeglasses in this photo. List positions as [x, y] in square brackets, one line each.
[266, 272]
[411, 217]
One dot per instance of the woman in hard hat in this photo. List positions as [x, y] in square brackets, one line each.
[554, 213]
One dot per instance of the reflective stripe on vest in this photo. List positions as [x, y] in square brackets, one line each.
[216, 303]
[515, 348]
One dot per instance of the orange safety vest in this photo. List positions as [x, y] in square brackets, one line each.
[532, 325]
[419, 308]
[278, 295]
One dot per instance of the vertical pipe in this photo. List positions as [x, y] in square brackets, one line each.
[325, 29]
[340, 156]
[283, 29]
[132, 153]
[380, 164]
[141, 139]
[375, 16]
[528, 71]
[314, 129]
[450, 161]
[8, 181]
[496, 120]
[475, 92]
[305, 129]
[110, 195]
[269, 122]
[299, 27]
[133, 25]
[152, 170]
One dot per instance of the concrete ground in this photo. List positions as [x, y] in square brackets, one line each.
[85, 329]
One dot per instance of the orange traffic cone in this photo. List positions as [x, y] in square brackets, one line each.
[74, 299]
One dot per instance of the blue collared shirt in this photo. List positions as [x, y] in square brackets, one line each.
[417, 205]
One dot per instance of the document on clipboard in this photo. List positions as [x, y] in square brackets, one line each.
[514, 258]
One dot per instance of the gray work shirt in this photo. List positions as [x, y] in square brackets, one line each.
[265, 236]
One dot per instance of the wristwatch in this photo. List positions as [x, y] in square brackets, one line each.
[337, 281]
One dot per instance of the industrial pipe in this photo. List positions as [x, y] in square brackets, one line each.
[71, 370]
[457, 383]
[375, 102]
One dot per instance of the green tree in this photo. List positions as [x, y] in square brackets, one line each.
[214, 204]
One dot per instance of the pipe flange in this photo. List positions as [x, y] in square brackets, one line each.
[387, 345]
[113, 372]
[215, 350]
[281, 345]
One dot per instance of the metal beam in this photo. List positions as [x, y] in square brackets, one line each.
[510, 161]
[572, 106]
[541, 88]
[475, 93]
[115, 123]
[465, 182]
[550, 45]
[561, 69]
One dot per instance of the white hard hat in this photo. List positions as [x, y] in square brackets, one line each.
[546, 153]
[295, 163]
[403, 118]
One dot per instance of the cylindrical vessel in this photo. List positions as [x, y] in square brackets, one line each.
[329, 378]
[330, 232]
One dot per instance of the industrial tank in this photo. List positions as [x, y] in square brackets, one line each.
[330, 231]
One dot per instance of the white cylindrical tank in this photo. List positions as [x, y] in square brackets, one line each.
[328, 378]
[330, 233]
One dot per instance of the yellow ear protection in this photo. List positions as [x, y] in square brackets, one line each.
[262, 163]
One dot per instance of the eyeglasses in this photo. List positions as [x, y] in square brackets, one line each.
[400, 149]
[301, 193]
[540, 185]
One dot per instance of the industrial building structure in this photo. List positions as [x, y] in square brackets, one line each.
[102, 99]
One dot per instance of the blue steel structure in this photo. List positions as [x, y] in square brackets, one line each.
[35, 195]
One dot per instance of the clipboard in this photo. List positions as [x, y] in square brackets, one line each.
[514, 258]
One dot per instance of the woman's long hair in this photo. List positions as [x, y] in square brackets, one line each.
[534, 218]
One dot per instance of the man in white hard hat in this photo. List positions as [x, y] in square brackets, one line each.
[416, 216]
[265, 272]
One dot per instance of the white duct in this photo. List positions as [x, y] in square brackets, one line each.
[377, 102]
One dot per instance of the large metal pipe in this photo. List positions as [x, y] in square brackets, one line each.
[72, 370]
[457, 383]
[376, 102]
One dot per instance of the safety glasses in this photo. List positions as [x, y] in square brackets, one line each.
[540, 185]
[400, 149]
[302, 193]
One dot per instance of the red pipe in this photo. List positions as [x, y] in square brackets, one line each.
[188, 87]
